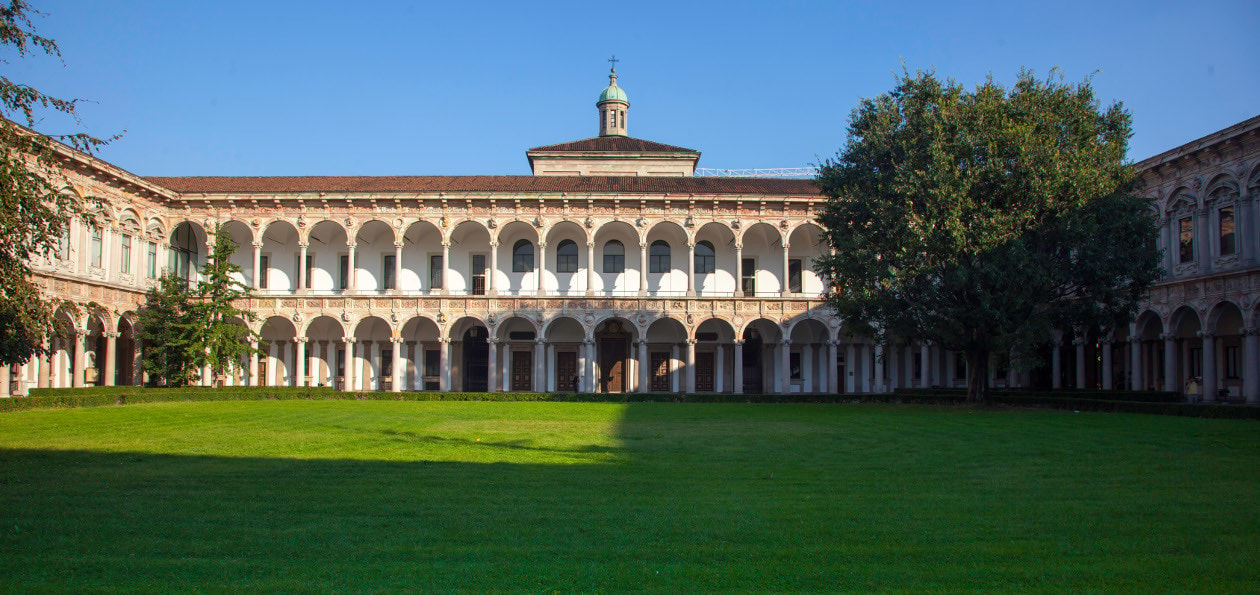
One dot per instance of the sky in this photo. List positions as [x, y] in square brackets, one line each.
[464, 88]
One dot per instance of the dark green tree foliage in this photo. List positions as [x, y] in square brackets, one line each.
[167, 330]
[982, 220]
[34, 212]
[185, 328]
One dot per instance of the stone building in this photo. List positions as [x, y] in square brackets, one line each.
[612, 268]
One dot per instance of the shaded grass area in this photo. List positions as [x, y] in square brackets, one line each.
[346, 495]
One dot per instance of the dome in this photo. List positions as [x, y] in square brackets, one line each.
[613, 93]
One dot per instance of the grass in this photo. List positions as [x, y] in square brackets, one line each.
[440, 496]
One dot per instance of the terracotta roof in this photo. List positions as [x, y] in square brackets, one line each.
[616, 144]
[575, 184]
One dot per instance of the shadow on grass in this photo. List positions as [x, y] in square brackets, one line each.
[695, 498]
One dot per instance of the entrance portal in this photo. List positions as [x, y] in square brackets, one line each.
[476, 360]
[522, 370]
[752, 363]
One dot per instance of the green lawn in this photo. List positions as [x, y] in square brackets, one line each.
[381, 495]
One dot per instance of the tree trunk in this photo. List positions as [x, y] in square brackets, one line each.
[978, 376]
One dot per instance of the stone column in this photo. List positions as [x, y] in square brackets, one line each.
[46, 365]
[540, 354]
[643, 268]
[492, 380]
[273, 361]
[691, 366]
[351, 360]
[807, 368]
[300, 375]
[1251, 365]
[539, 267]
[691, 270]
[375, 364]
[111, 357]
[444, 358]
[1135, 363]
[258, 272]
[719, 372]
[398, 266]
[302, 280]
[833, 362]
[494, 267]
[588, 383]
[879, 368]
[590, 268]
[785, 289]
[352, 264]
[549, 366]
[397, 381]
[80, 357]
[1209, 366]
[738, 372]
[645, 367]
[1079, 344]
[4, 381]
[253, 362]
[851, 369]
[1170, 362]
[673, 368]
[894, 369]
[785, 364]
[446, 272]
[316, 363]
[925, 365]
[864, 351]
[1056, 364]
[1107, 381]
[739, 273]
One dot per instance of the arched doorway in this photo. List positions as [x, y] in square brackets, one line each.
[476, 359]
[612, 338]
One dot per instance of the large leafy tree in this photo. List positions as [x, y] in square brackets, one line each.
[187, 327]
[983, 219]
[34, 212]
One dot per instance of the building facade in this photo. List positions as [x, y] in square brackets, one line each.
[611, 269]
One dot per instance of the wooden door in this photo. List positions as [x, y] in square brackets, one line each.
[704, 372]
[522, 370]
[612, 365]
[660, 371]
[566, 371]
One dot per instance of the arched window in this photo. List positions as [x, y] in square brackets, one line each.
[658, 256]
[184, 251]
[567, 257]
[522, 256]
[706, 258]
[614, 257]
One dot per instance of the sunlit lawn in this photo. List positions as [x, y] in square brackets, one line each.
[378, 495]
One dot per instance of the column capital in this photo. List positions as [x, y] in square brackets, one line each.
[1079, 341]
[588, 341]
[444, 340]
[493, 244]
[399, 244]
[258, 245]
[348, 340]
[691, 341]
[493, 340]
[1249, 331]
[301, 339]
[112, 334]
[447, 243]
[1167, 336]
[1206, 335]
[1135, 339]
[739, 342]
[785, 341]
[590, 244]
[396, 339]
[540, 341]
[303, 244]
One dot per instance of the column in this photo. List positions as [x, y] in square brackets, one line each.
[864, 351]
[444, 354]
[549, 366]
[590, 268]
[1056, 364]
[352, 263]
[1170, 362]
[719, 372]
[673, 368]
[494, 266]
[258, 272]
[374, 362]
[300, 376]
[492, 369]
[111, 357]
[785, 290]
[1079, 344]
[879, 368]
[691, 366]
[356, 362]
[301, 288]
[850, 368]
[539, 266]
[925, 365]
[46, 365]
[739, 367]
[951, 364]
[894, 369]
[4, 381]
[643, 268]
[807, 368]
[588, 383]
[1135, 363]
[80, 357]
[739, 264]
[540, 353]
[273, 359]
[785, 364]
[398, 267]
[397, 381]
[446, 274]
[1251, 365]
[833, 363]
[1209, 366]
[691, 269]
[253, 362]
[645, 368]
[1107, 381]
[316, 363]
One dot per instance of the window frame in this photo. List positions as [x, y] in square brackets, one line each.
[705, 264]
[1185, 240]
[1233, 230]
[523, 256]
[567, 262]
[658, 263]
[618, 260]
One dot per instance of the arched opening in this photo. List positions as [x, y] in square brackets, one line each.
[275, 366]
[187, 242]
[373, 361]
[612, 342]
[565, 350]
[760, 369]
[520, 356]
[476, 359]
[668, 366]
[423, 354]
[325, 357]
[714, 338]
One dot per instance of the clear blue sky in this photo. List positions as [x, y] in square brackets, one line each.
[455, 88]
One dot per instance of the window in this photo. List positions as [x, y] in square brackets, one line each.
[264, 270]
[310, 269]
[387, 271]
[706, 258]
[435, 271]
[343, 272]
[1196, 361]
[183, 251]
[567, 257]
[794, 365]
[96, 248]
[1226, 218]
[479, 274]
[748, 276]
[124, 254]
[522, 257]
[150, 261]
[1231, 361]
[387, 364]
[794, 275]
[614, 257]
[658, 256]
[1186, 253]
